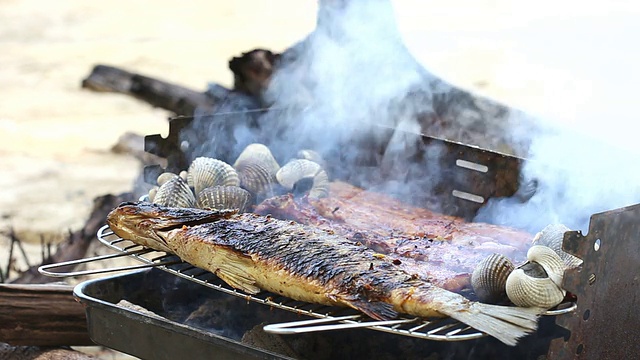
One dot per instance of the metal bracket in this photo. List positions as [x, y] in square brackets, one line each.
[605, 323]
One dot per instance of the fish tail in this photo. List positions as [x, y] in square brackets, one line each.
[506, 323]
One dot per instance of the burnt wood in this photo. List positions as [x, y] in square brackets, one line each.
[40, 353]
[253, 70]
[158, 93]
[41, 315]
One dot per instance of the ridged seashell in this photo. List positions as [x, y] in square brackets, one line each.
[152, 193]
[311, 155]
[175, 193]
[490, 277]
[320, 187]
[164, 177]
[257, 179]
[552, 236]
[299, 169]
[538, 282]
[224, 198]
[257, 169]
[205, 172]
[257, 154]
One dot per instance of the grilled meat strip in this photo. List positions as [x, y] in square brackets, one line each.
[443, 248]
[253, 253]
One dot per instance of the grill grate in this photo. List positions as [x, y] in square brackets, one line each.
[446, 329]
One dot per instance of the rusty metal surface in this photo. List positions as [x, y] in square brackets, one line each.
[606, 324]
[169, 147]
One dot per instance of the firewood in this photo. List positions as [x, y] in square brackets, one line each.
[158, 93]
[40, 353]
[41, 315]
[253, 70]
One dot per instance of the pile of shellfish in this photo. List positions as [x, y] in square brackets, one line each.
[211, 183]
[537, 282]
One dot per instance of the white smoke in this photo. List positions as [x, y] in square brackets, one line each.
[586, 159]
[349, 70]
[354, 71]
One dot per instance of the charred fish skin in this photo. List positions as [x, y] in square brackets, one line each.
[253, 253]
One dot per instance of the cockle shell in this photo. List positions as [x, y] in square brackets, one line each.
[489, 278]
[538, 282]
[224, 198]
[257, 154]
[174, 193]
[299, 169]
[257, 169]
[205, 172]
[152, 193]
[552, 236]
[257, 179]
[164, 177]
[311, 155]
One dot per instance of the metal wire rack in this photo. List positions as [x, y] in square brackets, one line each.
[327, 318]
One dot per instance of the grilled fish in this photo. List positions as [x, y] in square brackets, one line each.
[253, 253]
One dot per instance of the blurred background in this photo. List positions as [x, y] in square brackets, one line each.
[568, 61]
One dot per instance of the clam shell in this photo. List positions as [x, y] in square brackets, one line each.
[549, 260]
[152, 193]
[224, 198]
[257, 154]
[257, 179]
[311, 155]
[296, 170]
[552, 236]
[164, 177]
[538, 282]
[320, 187]
[205, 172]
[174, 193]
[527, 291]
[257, 169]
[489, 278]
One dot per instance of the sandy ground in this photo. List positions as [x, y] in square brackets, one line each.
[55, 137]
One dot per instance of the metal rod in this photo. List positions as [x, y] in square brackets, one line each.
[443, 327]
[307, 326]
[45, 268]
[561, 311]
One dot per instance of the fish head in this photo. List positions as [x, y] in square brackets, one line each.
[149, 224]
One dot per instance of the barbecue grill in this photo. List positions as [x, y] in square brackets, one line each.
[593, 327]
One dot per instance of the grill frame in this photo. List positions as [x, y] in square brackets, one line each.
[502, 180]
[435, 329]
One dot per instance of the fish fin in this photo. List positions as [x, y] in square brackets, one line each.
[375, 309]
[233, 273]
[237, 280]
[506, 323]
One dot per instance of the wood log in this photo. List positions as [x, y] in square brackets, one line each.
[158, 93]
[40, 353]
[252, 71]
[41, 315]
